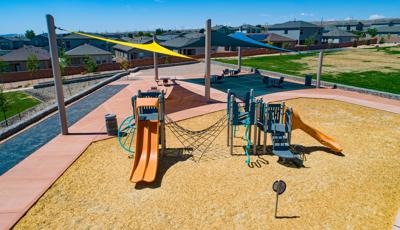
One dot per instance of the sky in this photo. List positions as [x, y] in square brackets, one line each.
[16, 16]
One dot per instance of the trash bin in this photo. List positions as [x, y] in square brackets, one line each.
[111, 124]
[308, 80]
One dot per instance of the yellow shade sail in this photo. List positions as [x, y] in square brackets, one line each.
[151, 47]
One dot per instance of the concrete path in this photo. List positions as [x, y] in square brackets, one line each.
[22, 185]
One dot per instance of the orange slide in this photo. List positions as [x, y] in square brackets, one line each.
[147, 135]
[297, 123]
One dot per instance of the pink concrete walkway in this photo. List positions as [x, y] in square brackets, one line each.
[24, 184]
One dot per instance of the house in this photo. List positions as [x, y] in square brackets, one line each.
[334, 35]
[384, 22]
[386, 30]
[40, 40]
[129, 53]
[72, 41]
[350, 25]
[299, 31]
[17, 59]
[78, 55]
[224, 29]
[274, 39]
[246, 28]
[13, 43]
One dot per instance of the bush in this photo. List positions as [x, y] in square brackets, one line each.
[382, 41]
[90, 66]
[124, 65]
[355, 44]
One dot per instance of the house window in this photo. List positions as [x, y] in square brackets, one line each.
[301, 32]
[286, 31]
[348, 28]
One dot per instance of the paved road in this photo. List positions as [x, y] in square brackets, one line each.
[22, 145]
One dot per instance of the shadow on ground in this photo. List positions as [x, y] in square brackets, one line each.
[242, 84]
[181, 99]
[171, 157]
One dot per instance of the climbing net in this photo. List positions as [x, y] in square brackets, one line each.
[197, 143]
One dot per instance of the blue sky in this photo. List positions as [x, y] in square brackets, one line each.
[16, 16]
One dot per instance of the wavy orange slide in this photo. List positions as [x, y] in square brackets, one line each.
[145, 162]
[329, 142]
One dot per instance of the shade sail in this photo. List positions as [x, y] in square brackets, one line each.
[151, 47]
[241, 36]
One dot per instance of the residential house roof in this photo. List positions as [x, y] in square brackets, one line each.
[24, 39]
[333, 31]
[270, 37]
[23, 53]
[138, 40]
[86, 49]
[293, 25]
[388, 29]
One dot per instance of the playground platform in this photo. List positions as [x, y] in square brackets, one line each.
[25, 183]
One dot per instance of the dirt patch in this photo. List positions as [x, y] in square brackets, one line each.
[358, 190]
[354, 60]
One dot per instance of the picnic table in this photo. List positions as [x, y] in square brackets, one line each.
[166, 81]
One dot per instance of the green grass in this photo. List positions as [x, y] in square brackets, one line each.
[376, 80]
[277, 63]
[18, 103]
[389, 50]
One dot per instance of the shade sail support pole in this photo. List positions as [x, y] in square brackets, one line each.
[207, 60]
[155, 60]
[320, 63]
[57, 74]
[239, 59]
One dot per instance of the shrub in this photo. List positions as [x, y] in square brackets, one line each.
[124, 64]
[382, 41]
[90, 66]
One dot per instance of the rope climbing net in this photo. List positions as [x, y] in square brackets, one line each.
[196, 142]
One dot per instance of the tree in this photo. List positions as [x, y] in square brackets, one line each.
[201, 31]
[359, 34]
[64, 61]
[372, 32]
[130, 35]
[159, 31]
[90, 66]
[32, 63]
[382, 41]
[140, 33]
[30, 34]
[124, 64]
[4, 104]
[309, 41]
[3, 66]
[147, 34]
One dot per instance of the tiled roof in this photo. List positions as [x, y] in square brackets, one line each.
[22, 54]
[86, 49]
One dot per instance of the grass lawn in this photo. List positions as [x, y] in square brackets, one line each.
[18, 103]
[376, 68]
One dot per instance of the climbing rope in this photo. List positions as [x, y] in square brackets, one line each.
[196, 141]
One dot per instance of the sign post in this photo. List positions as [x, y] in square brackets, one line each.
[279, 187]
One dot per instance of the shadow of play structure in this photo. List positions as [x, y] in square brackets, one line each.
[269, 118]
[146, 128]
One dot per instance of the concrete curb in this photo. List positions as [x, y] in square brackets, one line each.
[323, 83]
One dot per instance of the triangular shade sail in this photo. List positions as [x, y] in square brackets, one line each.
[241, 36]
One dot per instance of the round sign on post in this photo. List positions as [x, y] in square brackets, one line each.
[279, 186]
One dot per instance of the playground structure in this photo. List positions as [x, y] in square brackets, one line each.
[148, 121]
[273, 118]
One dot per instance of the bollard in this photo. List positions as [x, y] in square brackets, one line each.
[111, 124]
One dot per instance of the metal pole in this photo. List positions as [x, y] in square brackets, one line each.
[320, 61]
[57, 73]
[155, 57]
[239, 59]
[208, 59]
[276, 205]
[255, 130]
[229, 119]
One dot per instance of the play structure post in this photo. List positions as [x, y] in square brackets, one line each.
[255, 128]
[208, 59]
[229, 120]
[320, 61]
[162, 122]
[239, 59]
[57, 73]
[155, 57]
